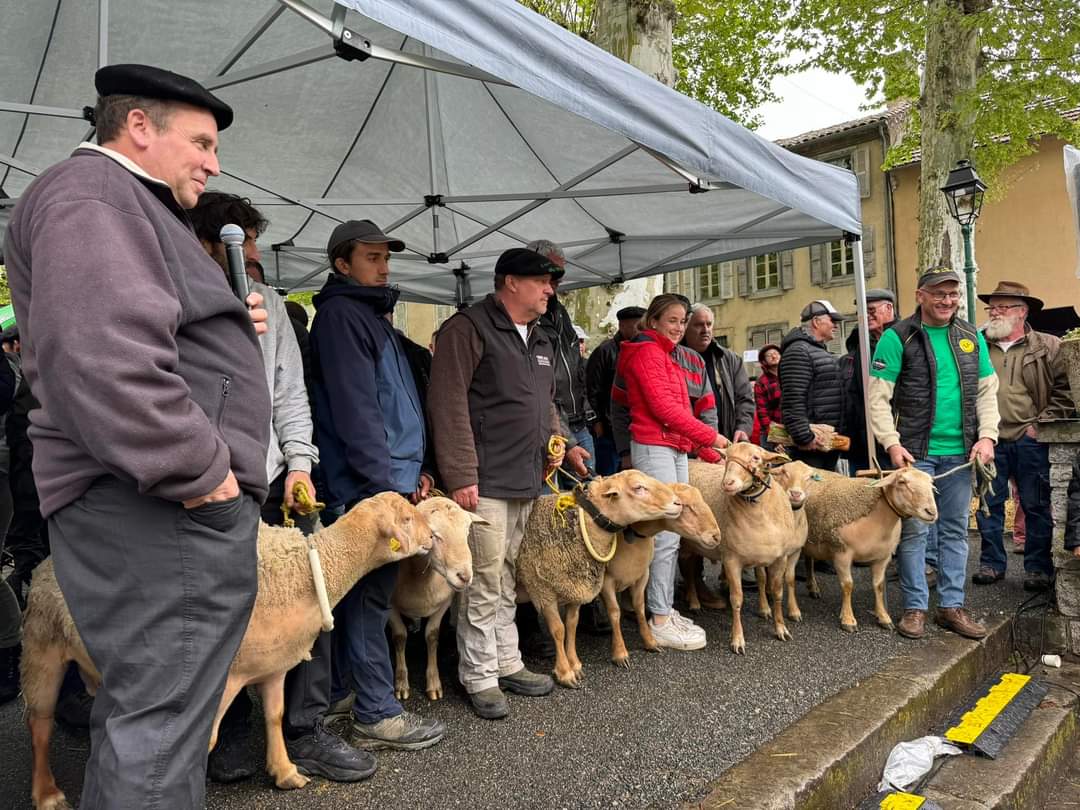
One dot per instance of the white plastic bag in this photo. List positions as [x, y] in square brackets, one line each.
[909, 761]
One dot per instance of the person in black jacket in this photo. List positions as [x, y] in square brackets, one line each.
[880, 315]
[599, 377]
[810, 387]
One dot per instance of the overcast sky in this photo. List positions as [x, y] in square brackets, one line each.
[811, 100]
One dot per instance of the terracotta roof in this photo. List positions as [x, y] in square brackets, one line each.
[887, 115]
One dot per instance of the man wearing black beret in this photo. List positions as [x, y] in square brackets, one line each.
[494, 378]
[150, 442]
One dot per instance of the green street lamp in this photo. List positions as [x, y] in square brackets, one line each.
[964, 195]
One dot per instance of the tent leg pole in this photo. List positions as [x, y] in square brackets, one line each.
[854, 244]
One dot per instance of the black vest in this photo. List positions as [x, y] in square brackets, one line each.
[509, 404]
[915, 394]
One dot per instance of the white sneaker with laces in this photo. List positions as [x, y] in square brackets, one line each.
[678, 634]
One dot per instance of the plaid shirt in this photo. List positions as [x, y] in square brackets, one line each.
[767, 396]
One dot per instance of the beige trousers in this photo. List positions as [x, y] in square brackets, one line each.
[487, 637]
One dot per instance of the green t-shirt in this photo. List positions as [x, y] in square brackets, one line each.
[947, 432]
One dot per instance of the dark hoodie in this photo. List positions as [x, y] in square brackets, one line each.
[369, 424]
[811, 390]
[855, 404]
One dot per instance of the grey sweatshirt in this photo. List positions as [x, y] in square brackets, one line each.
[146, 366]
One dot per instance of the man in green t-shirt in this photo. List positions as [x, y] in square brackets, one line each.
[933, 404]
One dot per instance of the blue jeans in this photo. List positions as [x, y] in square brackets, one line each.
[584, 439]
[953, 504]
[668, 465]
[1028, 462]
[607, 458]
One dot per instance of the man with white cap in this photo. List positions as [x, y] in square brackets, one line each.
[810, 387]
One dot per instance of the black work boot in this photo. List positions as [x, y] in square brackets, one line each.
[323, 753]
[9, 673]
[231, 761]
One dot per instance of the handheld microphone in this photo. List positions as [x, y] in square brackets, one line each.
[233, 236]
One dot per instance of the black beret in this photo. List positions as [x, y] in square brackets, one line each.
[524, 262]
[154, 82]
[637, 313]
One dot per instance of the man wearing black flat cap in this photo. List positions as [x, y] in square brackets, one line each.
[599, 377]
[150, 441]
[880, 315]
[494, 376]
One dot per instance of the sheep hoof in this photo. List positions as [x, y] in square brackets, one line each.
[738, 647]
[849, 628]
[783, 634]
[402, 693]
[885, 625]
[57, 801]
[623, 662]
[795, 617]
[764, 614]
[291, 781]
[815, 594]
[435, 694]
[569, 680]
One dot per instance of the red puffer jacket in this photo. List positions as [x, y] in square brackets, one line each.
[652, 369]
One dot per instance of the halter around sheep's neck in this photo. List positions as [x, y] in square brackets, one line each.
[764, 482]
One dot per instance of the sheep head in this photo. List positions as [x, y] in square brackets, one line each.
[450, 554]
[746, 465]
[793, 477]
[400, 527]
[911, 493]
[697, 522]
[630, 496]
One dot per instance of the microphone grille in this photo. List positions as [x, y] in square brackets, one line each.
[232, 234]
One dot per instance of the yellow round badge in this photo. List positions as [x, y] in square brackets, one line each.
[967, 346]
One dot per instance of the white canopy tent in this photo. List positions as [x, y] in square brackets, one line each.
[464, 127]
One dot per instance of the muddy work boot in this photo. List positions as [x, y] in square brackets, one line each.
[960, 622]
[529, 684]
[403, 732]
[912, 624]
[489, 704]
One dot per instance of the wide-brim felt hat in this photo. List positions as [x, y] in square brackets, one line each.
[1014, 289]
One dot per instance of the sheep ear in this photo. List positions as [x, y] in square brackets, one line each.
[774, 459]
[885, 480]
[476, 519]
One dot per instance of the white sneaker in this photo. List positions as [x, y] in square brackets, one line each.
[678, 634]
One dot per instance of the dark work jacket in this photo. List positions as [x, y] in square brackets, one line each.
[810, 387]
[369, 425]
[734, 395]
[600, 376]
[855, 405]
[915, 394]
[419, 358]
[510, 403]
[570, 395]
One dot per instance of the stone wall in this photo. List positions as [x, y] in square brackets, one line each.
[1064, 630]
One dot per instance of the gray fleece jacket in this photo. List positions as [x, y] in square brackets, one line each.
[146, 366]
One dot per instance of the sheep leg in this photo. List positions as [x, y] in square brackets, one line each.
[881, 610]
[233, 685]
[794, 613]
[733, 571]
[401, 669]
[764, 587]
[843, 573]
[563, 673]
[776, 591]
[811, 580]
[42, 674]
[278, 764]
[690, 567]
[708, 599]
[619, 655]
[637, 599]
[431, 636]
[573, 612]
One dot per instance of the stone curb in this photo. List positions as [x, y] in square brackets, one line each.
[832, 757]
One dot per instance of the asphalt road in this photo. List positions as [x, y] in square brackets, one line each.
[654, 736]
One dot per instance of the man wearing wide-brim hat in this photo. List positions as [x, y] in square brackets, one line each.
[1032, 386]
[150, 441]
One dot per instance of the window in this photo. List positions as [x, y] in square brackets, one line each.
[766, 272]
[763, 335]
[841, 260]
[708, 279]
[680, 282]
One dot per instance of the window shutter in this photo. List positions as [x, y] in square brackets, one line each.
[868, 250]
[744, 277]
[727, 280]
[787, 269]
[817, 273]
[861, 163]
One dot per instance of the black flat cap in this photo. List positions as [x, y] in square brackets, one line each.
[626, 313]
[879, 294]
[524, 262]
[155, 82]
[362, 230]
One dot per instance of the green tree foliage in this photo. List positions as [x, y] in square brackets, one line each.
[5, 291]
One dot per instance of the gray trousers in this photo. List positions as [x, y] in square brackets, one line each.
[161, 597]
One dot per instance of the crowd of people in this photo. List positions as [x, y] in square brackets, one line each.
[158, 446]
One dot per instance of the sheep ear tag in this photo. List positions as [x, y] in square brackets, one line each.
[395, 544]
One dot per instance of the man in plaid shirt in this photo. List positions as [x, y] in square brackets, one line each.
[767, 391]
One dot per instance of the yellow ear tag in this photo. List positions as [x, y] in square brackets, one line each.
[395, 544]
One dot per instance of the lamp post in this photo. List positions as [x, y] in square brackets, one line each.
[964, 195]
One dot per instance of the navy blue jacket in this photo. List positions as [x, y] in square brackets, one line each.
[369, 425]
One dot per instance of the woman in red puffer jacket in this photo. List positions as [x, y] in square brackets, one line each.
[672, 413]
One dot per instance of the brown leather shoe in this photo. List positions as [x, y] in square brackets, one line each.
[912, 624]
[960, 622]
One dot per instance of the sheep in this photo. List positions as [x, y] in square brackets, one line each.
[284, 623]
[555, 568]
[426, 587]
[757, 525]
[852, 520]
[629, 568]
